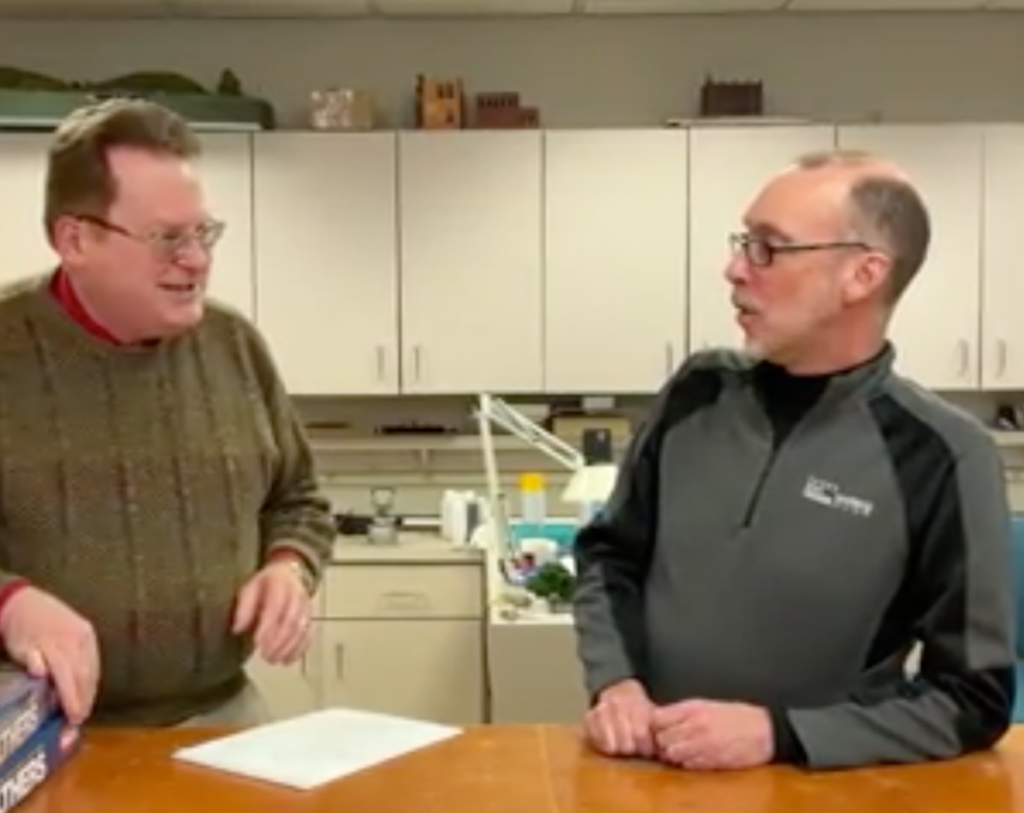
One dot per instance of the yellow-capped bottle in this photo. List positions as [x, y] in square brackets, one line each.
[532, 504]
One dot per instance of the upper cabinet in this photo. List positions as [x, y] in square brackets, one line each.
[561, 261]
[470, 248]
[24, 250]
[226, 166]
[937, 322]
[326, 241]
[1002, 335]
[728, 167]
[615, 250]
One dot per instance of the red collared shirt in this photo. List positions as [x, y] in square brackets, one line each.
[66, 296]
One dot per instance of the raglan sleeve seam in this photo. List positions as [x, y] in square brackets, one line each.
[961, 701]
[613, 553]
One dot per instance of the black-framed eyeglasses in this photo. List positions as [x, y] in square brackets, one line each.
[761, 251]
[168, 243]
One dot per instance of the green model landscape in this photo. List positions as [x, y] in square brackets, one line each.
[37, 99]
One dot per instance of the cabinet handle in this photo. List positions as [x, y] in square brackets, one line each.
[403, 600]
[1000, 358]
[965, 361]
[339, 661]
[416, 362]
[670, 358]
[381, 365]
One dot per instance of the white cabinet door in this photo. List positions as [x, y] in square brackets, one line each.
[289, 691]
[471, 214]
[326, 260]
[728, 167]
[226, 167]
[426, 670]
[535, 674]
[936, 325]
[615, 259]
[24, 250]
[1002, 332]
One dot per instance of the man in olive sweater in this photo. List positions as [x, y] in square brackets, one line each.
[159, 510]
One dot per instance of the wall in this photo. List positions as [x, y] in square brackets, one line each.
[601, 72]
[581, 72]
[419, 479]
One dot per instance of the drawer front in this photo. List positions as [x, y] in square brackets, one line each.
[403, 591]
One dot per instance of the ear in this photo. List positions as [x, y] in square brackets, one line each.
[68, 237]
[867, 277]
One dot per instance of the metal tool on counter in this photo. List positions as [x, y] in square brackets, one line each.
[383, 527]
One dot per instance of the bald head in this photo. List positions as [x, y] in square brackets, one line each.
[884, 208]
[851, 162]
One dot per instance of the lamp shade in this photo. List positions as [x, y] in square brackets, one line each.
[590, 484]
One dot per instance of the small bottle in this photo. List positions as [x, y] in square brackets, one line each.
[447, 515]
[532, 505]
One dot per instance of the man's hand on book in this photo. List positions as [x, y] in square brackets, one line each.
[51, 640]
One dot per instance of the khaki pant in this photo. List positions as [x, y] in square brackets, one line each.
[245, 710]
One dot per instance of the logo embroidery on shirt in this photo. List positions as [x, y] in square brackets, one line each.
[830, 495]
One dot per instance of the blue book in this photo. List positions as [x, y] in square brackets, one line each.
[25, 704]
[53, 744]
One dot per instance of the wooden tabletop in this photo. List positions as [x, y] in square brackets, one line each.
[517, 769]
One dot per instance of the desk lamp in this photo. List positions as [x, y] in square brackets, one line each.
[592, 483]
[593, 473]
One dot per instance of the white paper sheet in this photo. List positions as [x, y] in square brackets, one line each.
[313, 749]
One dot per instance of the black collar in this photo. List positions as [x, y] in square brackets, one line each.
[786, 398]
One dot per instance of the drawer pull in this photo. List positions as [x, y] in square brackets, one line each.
[403, 600]
[339, 661]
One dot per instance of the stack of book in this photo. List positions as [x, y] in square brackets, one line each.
[35, 737]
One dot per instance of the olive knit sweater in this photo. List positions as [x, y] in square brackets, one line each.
[143, 485]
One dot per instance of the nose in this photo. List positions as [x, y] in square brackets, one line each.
[737, 270]
[193, 257]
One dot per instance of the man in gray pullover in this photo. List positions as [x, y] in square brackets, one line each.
[790, 521]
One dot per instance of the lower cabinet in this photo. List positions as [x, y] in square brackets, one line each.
[397, 638]
[428, 670]
[534, 673]
[291, 690]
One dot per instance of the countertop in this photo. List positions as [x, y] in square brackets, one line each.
[530, 619]
[413, 547]
[518, 769]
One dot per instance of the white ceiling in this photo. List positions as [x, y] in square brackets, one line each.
[51, 9]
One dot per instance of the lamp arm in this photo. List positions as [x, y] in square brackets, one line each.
[494, 411]
[498, 412]
[496, 497]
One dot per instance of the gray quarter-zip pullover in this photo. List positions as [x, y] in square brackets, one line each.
[792, 561]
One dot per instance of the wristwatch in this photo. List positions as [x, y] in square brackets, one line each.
[303, 571]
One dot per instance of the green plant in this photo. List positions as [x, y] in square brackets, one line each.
[553, 582]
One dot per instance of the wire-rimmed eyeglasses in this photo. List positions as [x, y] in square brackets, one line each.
[168, 243]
